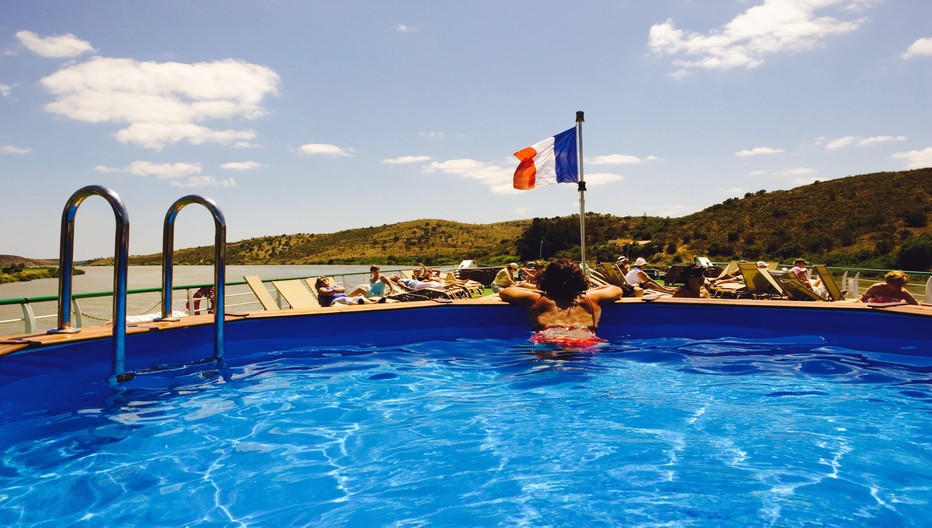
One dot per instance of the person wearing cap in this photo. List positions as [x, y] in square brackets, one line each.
[622, 265]
[505, 278]
[636, 277]
[801, 273]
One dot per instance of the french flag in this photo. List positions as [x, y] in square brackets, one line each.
[553, 160]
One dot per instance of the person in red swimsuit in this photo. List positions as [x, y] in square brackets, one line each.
[564, 310]
[892, 290]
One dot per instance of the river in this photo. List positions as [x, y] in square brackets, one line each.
[100, 279]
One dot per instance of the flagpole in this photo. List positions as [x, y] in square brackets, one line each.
[580, 118]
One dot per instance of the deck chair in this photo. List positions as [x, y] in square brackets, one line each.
[795, 290]
[612, 274]
[834, 292]
[428, 293]
[474, 288]
[261, 293]
[297, 295]
[760, 283]
[597, 279]
[728, 290]
[730, 269]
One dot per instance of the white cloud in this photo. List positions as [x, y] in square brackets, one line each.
[876, 140]
[601, 178]
[241, 165]
[163, 103]
[401, 160]
[796, 171]
[847, 141]
[203, 181]
[403, 28]
[840, 142]
[620, 159]
[183, 175]
[324, 149]
[774, 27]
[500, 180]
[163, 171]
[920, 48]
[6, 90]
[916, 159]
[432, 134]
[12, 149]
[757, 151]
[56, 46]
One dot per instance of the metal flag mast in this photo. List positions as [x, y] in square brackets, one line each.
[580, 117]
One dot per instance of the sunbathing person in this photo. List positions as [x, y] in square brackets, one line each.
[376, 286]
[892, 290]
[693, 284]
[426, 274]
[329, 293]
[564, 311]
[636, 277]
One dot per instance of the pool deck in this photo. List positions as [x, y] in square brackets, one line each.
[15, 343]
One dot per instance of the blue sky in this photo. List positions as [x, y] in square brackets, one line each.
[313, 117]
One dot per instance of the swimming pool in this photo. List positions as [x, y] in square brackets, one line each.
[720, 415]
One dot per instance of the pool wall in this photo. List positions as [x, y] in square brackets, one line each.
[860, 328]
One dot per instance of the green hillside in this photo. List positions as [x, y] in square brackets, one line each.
[879, 220]
[429, 241]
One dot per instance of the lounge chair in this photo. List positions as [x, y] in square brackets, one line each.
[261, 293]
[834, 292]
[795, 290]
[474, 288]
[760, 283]
[297, 295]
[430, 293]
[612, 274]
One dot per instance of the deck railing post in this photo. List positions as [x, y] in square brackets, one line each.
[220, 240]
[29, 317]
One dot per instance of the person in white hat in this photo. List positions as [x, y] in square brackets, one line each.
[506, 277]
[637, 277]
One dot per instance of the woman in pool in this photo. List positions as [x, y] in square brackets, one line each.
[563, 310]
[693, 284]
[892, 290]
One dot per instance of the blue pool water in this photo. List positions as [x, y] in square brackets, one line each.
[487, 432]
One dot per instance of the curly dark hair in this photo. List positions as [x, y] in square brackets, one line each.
[562, 277]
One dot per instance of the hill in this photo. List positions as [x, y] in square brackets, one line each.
[430, 241]
[879, 220]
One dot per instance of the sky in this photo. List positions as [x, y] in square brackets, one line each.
[320, 116]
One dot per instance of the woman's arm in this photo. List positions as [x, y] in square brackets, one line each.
[608, 293]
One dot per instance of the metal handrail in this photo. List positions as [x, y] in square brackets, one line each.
[220, 242]
[120, 261]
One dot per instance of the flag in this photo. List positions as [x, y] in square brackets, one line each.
[553, 160]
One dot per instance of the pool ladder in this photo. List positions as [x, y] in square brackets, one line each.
[120, 268]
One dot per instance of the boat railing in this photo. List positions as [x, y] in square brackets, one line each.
[855, 280]
[237, 297]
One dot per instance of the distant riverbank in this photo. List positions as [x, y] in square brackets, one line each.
[22, 274]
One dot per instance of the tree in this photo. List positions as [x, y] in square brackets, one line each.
[915, 254]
